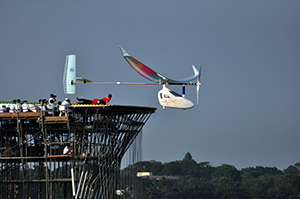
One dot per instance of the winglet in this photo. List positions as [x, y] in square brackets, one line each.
[125, 54]
[196, 72]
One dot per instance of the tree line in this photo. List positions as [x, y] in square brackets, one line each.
[203, 181]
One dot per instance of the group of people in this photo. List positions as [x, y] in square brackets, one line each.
[16, 106]
[50, 106]
[47, 106]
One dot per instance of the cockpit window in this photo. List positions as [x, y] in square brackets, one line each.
[160, 95]
[175, 94]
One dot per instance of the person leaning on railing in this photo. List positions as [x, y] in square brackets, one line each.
[3, 109]
[64, 107]
[25, 106]
[12, 107]
[51, 107]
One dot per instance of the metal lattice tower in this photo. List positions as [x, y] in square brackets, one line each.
[31, 144]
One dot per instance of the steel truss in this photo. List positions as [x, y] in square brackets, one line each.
[32, 164]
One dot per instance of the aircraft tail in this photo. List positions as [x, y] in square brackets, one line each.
[69, 75]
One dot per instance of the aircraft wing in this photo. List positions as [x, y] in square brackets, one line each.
[151, 75]
[142, 69]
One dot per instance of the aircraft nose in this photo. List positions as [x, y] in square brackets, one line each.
[190, 104]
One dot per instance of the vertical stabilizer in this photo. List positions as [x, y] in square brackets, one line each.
[69, 74]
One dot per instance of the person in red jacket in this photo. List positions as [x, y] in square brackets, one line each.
[105, 100]
[95, 101]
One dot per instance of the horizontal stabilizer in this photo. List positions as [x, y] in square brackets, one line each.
[83, 79]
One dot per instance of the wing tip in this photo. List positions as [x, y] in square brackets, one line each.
[196, 72]
[125, 54]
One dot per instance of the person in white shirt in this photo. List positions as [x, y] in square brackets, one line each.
[51, 107]
[64, 107]
[3, 109]
[18, 106]
[57, 108]
[25, 106]
[52, 97]
[12, 107]
[42, 105]
[67, 150]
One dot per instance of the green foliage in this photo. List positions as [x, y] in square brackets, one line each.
[201, 180]
[253, 173]
[146, 165]
[197, 180]
[227, 182]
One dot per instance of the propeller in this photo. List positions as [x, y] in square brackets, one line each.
[198, 84]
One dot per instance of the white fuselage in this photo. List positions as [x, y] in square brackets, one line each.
[171, 99]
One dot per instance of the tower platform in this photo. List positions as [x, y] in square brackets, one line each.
[32, 163]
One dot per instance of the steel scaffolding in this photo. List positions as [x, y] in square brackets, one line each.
[32, 164]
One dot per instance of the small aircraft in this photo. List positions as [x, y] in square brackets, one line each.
[166, 97]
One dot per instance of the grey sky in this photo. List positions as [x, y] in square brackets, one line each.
[249, 108]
